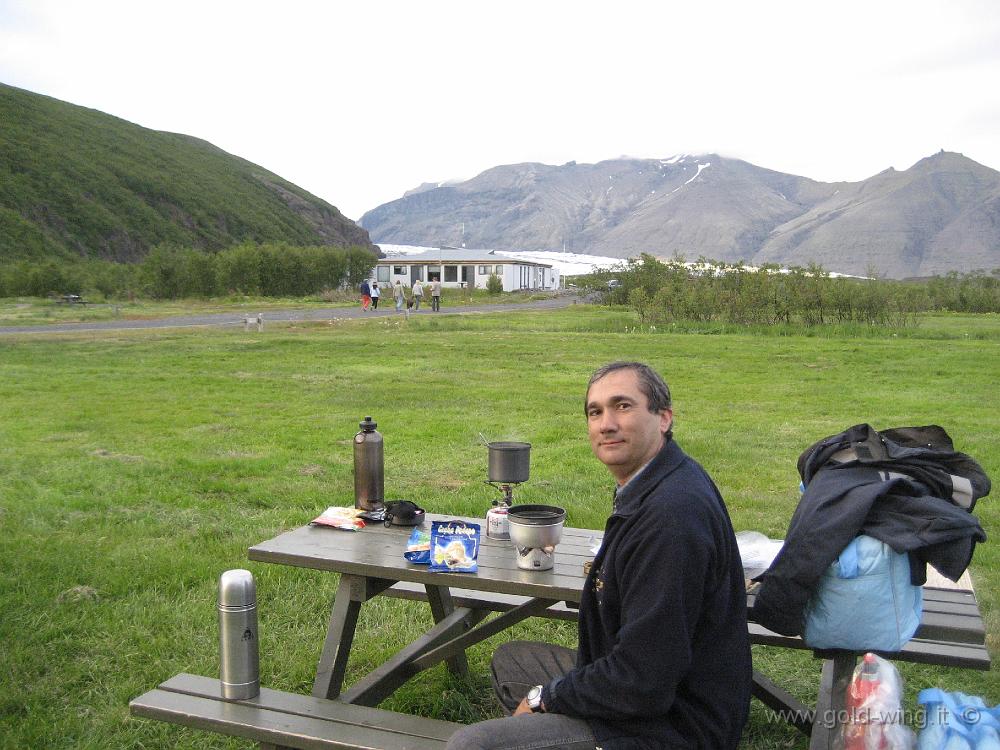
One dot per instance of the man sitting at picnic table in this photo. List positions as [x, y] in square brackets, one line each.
[663, 659]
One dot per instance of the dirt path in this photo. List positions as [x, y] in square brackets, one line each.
[287, 316]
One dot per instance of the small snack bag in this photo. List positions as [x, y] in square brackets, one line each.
[347, 519]
[454, 546]
[418, 547]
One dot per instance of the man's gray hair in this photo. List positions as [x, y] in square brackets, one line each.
[653, 387]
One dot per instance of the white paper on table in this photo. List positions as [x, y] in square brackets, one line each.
[756, 550]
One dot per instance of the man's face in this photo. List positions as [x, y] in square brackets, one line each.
[624, 433]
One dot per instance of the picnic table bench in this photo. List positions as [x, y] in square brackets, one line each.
[371, 564]
[71, 299]
[288, 720]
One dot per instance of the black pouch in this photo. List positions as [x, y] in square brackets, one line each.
[403, 513]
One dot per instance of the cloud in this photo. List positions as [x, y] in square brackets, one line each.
[359, 102]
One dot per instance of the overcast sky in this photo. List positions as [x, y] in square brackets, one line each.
[359, 101]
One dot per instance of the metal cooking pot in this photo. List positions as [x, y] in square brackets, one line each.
[509, 462]
[536, 526]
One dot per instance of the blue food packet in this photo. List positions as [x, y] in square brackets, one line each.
[418, 547]
[454, 546]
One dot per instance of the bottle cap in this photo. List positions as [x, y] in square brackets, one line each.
[368, 425]
[237, 589]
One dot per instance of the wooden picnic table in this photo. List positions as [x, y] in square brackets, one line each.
[371, 563]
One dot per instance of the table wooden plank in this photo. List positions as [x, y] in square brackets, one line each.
[472, 599]
[947, 616]
[932, 595]
[949, 626]
[918, 650]
[938, 581]
[348, 552]
[393, 540]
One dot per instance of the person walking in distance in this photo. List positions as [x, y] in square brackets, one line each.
[376, 294]
[418, 293]
[663, 655]
[366, 295]
[436, 294]
[397, 295]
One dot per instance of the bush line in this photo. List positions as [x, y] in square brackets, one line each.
[716, 292]
[170, 272]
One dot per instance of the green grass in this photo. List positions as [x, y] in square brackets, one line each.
[135, 467]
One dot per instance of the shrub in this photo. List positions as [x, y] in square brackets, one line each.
[493, 284]
[709, 291]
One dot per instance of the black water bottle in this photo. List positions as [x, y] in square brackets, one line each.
[369, 469]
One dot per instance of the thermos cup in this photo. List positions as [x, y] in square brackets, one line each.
[239, 657]
[369, 470]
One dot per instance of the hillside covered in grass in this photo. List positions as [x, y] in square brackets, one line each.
[77, 182]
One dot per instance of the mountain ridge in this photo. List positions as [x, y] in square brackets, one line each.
[77, 182]
[942, 214]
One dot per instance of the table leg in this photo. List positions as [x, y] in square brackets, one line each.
[439, 597]
[837, 673]
[782, 702]
[375, 687]
[352, 592]
[481, 632]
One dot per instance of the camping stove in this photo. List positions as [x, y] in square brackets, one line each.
[535, 531]
[509, 465]
[496, 517]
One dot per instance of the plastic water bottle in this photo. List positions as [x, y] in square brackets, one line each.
[239, 655]
[861, 705]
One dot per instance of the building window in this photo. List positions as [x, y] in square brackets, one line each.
[382, 273]
[499, 270]
[433, 272]
[451, 273]
[399, 270]
[485, 270]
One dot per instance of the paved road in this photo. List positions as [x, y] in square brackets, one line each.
[271, 316]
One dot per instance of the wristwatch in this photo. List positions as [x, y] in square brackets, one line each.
[534, 698]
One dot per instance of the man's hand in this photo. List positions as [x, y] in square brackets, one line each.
[523, 708]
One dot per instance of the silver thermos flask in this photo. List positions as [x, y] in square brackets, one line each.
[369, 470]
[239, 658]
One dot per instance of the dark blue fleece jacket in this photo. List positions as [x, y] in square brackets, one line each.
[664, 656]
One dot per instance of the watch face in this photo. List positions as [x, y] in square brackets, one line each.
[534, 696]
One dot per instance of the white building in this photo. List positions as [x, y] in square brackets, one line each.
[464, 268]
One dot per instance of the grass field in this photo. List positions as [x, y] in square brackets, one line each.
[135, 467]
